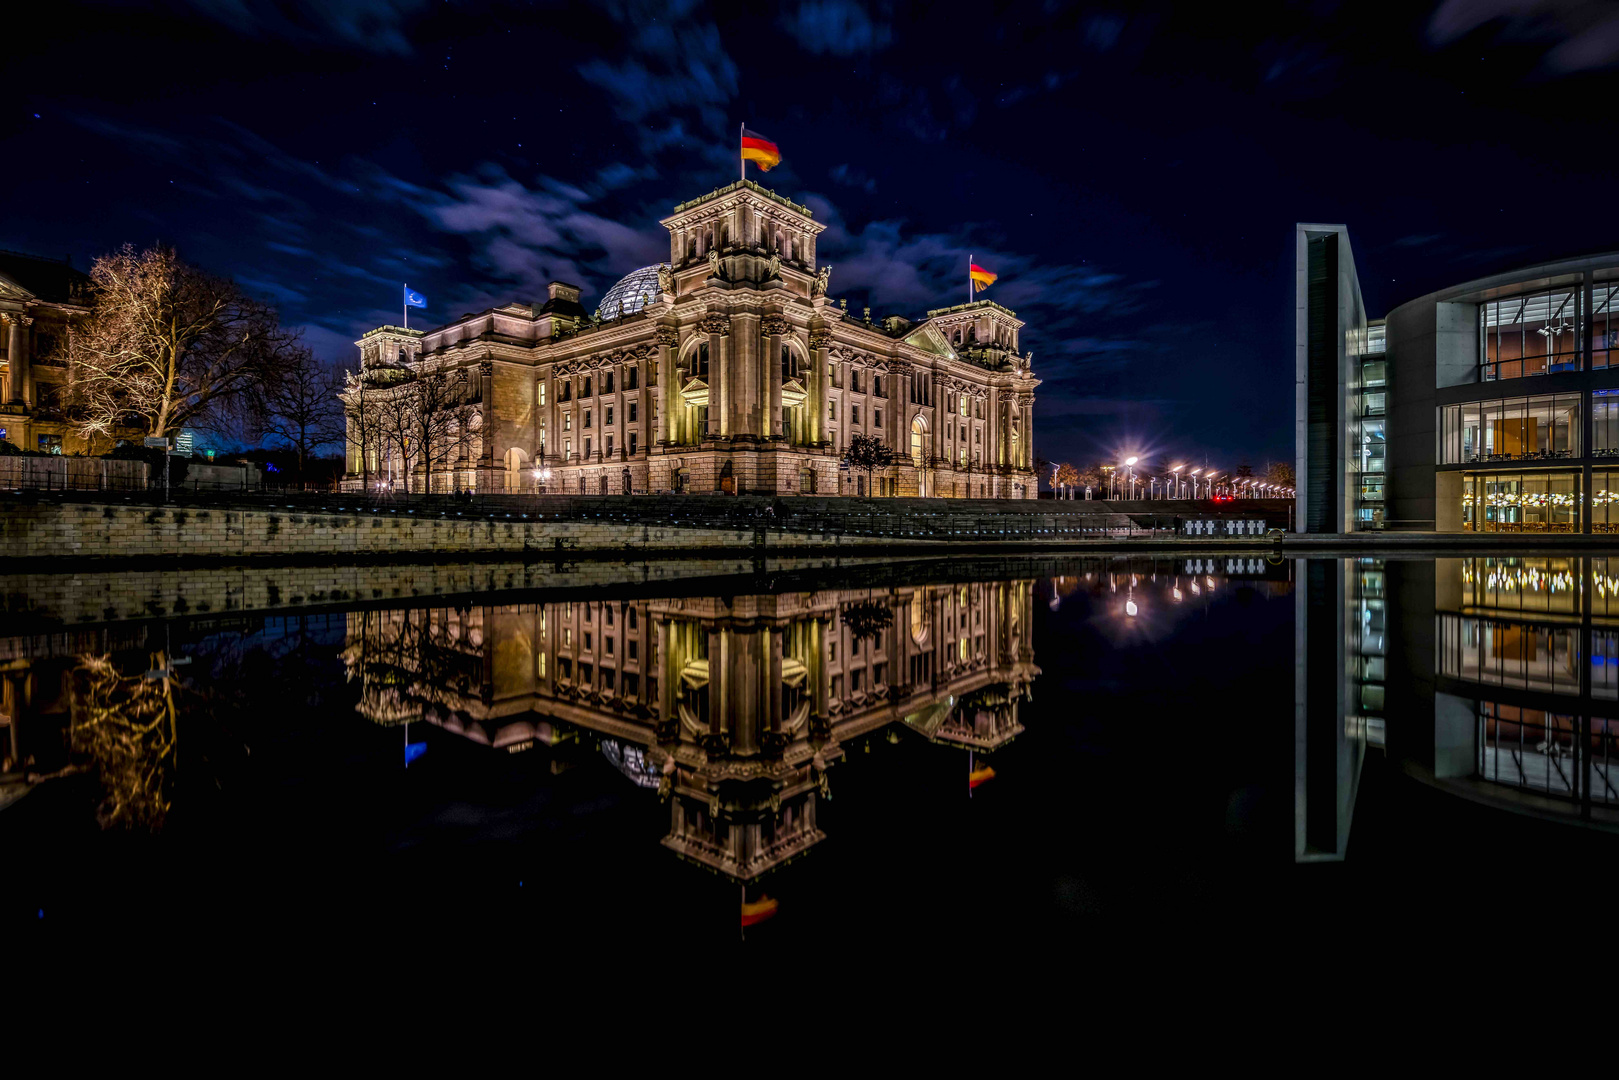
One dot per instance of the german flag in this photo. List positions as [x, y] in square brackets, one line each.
[980, 775]
[982, 278]
[759, 150]
[758, 911]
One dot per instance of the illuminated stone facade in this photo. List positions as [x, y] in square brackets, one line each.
[729, 369]
[734, 709]
[39, 300]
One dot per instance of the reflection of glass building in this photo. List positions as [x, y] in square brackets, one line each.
[1490, 406]
[734, 709]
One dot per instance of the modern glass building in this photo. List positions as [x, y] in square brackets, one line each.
[1490, 406]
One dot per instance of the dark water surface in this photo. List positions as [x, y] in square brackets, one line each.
[1074, 749]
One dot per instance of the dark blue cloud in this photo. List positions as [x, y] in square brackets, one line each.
[836, 27]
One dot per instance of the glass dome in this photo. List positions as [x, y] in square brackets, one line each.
[633, 292]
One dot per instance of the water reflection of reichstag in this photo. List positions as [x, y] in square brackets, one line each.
[735, 709]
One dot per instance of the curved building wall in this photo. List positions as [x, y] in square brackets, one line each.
[1497, 413]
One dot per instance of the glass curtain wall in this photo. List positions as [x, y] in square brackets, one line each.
[1544, 428]
[1605, 421]
[1604, 501]
[1530, 335]
[1605, 324]
[1521, 502]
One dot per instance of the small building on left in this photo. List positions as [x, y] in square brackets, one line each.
[40, 299]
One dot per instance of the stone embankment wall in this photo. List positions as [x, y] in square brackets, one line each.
[87, 530]
[300, 527]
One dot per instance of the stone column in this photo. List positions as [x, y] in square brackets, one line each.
[939, 401]
[718, 328]
[1026, 409]
[819, 385]
[773, 327]
[486, 464]
[17, 355]
[668, 385]
[820, 671]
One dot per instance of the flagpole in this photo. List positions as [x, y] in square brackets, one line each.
[404, 305]
[969, 277]
[742, 162]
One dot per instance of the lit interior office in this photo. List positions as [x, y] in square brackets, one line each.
[1541, 428]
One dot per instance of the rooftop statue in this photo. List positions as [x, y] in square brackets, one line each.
[822, 281]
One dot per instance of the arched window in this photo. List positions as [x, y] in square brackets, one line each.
[787, 367]
[700, 367]
[917, 431]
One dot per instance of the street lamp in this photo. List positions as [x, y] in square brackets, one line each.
[1130, 464]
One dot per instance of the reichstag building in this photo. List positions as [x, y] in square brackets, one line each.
[728, 369]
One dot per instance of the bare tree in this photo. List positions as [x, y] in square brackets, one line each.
[1280, 473]
[302, 409]
[168, 345]
[423, 417]
[362, 429]
[868, 452]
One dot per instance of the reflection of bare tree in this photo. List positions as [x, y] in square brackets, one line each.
[411, 660]
[125, 725]
[868, 618]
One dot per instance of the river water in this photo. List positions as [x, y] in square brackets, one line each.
[789, 755]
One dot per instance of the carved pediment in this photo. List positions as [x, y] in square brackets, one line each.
[695, 393]
[793, 393]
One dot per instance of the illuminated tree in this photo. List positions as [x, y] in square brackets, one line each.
[1066, 477]
[167, 346]
[1280, 473]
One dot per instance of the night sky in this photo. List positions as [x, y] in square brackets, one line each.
[1133, 174]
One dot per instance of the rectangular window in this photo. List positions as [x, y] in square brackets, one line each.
[1373, 404]
[609, 445]
[632, 684]
[542, 391]
[1542, 428]
[1522, 502]
[586, 392]
[635, 411]
[587, 418]
[1372, 446]
[1605, 422]
[856, 679]
[609, 416]
[609, 677]
[607, 645]
[567, 637]
[634, 649]
[567, 449]
[1530, 335]
[962, 404]
[567, 421]
[539, 665]
[854, 414]
[587, 446]
[1374, 373]
[565, 392]
[632, 444]
[590, 641]
[633, 619]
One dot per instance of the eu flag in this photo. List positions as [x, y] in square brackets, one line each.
[414, 298]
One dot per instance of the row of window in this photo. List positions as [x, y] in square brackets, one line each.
[1540, 333]
[1544, 427]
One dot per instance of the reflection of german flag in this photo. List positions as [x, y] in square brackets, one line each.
[979, 775]
[759, 150]
[982, 278]
[758, 911]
